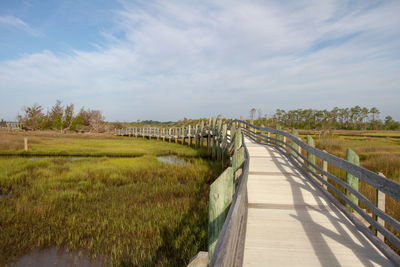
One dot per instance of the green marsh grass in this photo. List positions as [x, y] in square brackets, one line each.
[130, 211]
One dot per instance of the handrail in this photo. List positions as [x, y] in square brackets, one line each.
[314, 171]
[230, 245]
[229, 248]
[383, 184]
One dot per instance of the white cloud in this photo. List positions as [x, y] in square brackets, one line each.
[19, 24]
[203, 58]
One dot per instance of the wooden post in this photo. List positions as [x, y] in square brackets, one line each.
[351, 180]
[325, 169]
[197, 137]
[238, 139]
[294, 145]
[209, 138]
[310, 156]
[189, 136]
[25, 143]
[284, 142]
[278, 136]
[201, 134]
[214, 147]
[224, 143]
[381, 204]
[220, 199]
[176, 135]
[218, 139]
[169, 134]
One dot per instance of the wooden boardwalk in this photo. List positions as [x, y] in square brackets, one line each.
[290, 223]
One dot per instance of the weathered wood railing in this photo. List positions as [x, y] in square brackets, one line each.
[228, 194]
[291, 146]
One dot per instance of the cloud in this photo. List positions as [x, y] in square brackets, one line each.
[166, 60]
[19, 24]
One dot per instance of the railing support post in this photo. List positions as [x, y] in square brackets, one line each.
[325, 169]
[380, 204]
[351, 180]
[310, 156]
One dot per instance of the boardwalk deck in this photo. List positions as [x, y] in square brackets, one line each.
[290, 223]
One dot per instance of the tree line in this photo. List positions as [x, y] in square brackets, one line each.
[62, 118]
[354, 118]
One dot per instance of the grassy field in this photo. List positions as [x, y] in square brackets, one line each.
[51, 143]
[378, 152]
[131, 211]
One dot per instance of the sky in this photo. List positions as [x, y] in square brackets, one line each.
[167, 60]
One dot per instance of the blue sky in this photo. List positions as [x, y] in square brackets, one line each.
[165, 60]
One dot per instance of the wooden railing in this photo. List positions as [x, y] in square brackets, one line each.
[291, 146]
[228, 194]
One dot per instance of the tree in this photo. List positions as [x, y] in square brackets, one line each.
[259, 111]
[96, 120]
[68, 116]
[390, 124]
[252, 113]
[33, 117]
[56, 116]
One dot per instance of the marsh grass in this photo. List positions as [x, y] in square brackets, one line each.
[377, 153]
[130, 211]
[53, 144]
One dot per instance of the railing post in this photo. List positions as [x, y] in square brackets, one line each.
[310, 156]
[218, 139]
[224, 143]
[183, 134]
[278, 136]
[201, 134]
[196, 136]
[189, 137]
[214, 149]
[325, 169]
[381, 204]
[351, 180]
[294, 145]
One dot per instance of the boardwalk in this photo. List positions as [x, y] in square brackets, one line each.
[291, 224]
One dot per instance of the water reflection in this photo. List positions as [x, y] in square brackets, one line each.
[53, 257]
[171, 160]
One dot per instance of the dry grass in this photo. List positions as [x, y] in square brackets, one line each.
[378, 154]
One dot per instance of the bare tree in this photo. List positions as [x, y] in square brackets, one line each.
[96, 120]
[68, 116]
[252, 113]
[259, 113]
